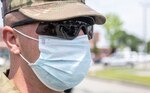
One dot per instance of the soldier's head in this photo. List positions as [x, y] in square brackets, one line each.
[43, 33]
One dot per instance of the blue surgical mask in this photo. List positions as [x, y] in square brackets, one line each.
[62, 63]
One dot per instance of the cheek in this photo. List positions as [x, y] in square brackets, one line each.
[30, 50]
[34, 51]
[81, 33]
[29, 47]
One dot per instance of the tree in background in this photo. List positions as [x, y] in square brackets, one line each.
[95, 50]
[133, 42]
[123, 39]
[117, 37]
[112, 26]
[148, 47]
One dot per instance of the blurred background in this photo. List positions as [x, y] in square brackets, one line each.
[120, 49]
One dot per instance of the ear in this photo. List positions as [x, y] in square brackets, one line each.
[10, 38]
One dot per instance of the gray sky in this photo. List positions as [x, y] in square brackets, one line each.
[130, 12]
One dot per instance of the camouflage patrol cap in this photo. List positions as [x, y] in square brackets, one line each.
[51, 10]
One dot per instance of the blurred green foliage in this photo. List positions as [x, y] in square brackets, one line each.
[117, 36]
[122, 74]
[148, 47]
[95, 50]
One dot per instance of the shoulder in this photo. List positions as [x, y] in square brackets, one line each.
[3, 78]
[6, 86]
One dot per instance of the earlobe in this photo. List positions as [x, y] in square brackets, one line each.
[10, 39]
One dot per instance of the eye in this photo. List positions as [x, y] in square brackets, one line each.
[46, 29]
[42, 29]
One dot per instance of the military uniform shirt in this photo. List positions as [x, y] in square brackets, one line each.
[6, 85]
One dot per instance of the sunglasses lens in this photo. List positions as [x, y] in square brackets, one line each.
[67, 29]
[46, 29]
[64, 31]
[67, 32]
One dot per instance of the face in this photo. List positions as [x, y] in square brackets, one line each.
[27, 47]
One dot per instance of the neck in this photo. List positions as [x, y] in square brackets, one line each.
[26, 81]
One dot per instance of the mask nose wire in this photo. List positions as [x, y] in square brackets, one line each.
[25, 35]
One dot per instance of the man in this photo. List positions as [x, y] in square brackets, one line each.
[48, 44]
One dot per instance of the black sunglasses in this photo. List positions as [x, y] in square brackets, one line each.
[67, 29]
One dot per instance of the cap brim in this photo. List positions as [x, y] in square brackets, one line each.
[62, 10]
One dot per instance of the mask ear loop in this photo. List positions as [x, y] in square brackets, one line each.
[24, 59]
[29, 38]
[25, 35]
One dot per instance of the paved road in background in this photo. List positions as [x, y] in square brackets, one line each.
[92, 85]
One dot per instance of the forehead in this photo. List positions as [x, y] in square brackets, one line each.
[13, 17]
